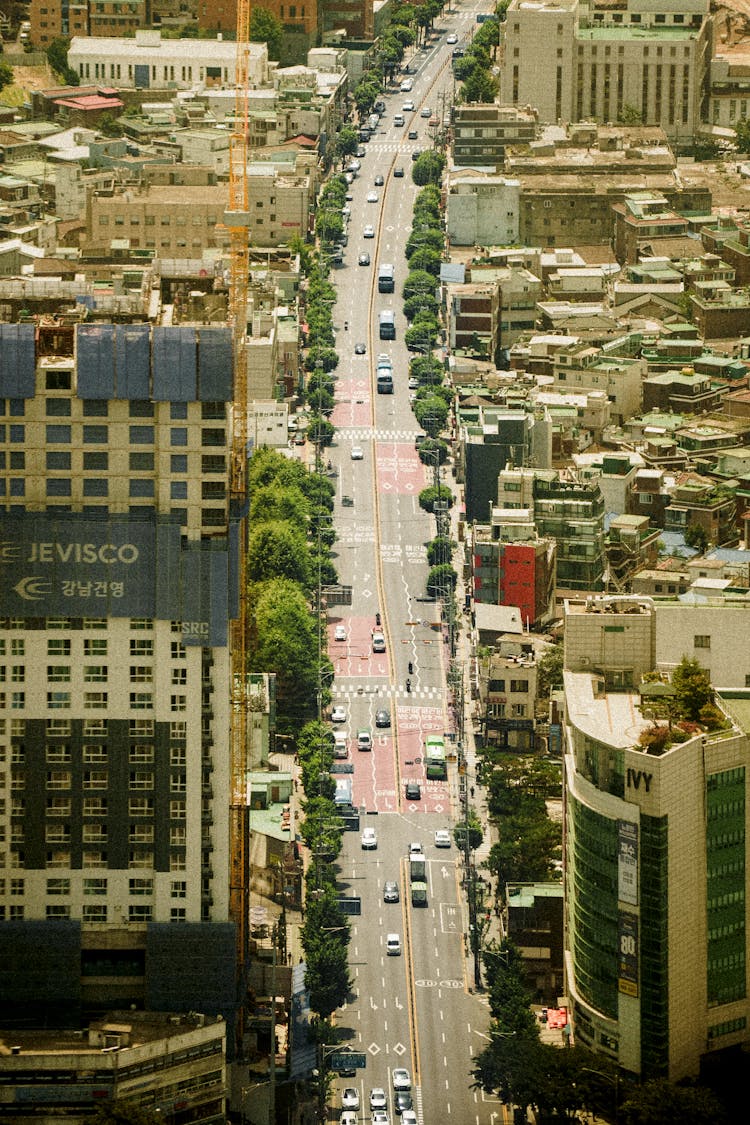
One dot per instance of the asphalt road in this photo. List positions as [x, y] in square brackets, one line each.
[415, 1010]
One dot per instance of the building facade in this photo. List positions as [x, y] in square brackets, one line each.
[655, 857]
[119, 585]
[575, 62]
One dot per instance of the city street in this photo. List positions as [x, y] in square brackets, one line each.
[415, 1009]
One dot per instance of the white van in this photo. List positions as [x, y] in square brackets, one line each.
[340, 744]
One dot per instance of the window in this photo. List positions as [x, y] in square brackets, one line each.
[95, 700]
[95, 779]
[178, 650]
[177, 810]
[58, 700]
[94, 753]
[98, 462]
[58, 807]
[141, 488]
[94, 859]
[95, 646]
[96, 487]
[59, 780]
[178, 703]
[140, 674]
[178, 889]
[57, 407]
[141, 435]
[95, 673]
[58, 886]
[58, 435]
[141, 806]
[702, 640]
[179, 676]
[95, 806]
[95, 408]
[58, 673]
[96, 913]
[142, 887]
[141, 779]
[179, 463]
[142, 462]
[141, 700]
[58, 646]
[141, 646]
[58, 753]
[140, 857]
[178, 435]
[140, 913]
[59, 910]
[58, 459]
[95, 435]
[178, 490]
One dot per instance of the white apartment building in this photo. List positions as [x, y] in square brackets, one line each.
[149, 62]
[575, 62]
[482, 210]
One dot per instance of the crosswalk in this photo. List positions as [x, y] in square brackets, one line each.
[367, 433]
[348, 692]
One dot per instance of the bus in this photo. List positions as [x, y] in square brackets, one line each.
[385, 381]
[434, 757]
[387, 322]
[385, 278]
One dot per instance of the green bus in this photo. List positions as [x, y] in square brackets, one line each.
[434, 757]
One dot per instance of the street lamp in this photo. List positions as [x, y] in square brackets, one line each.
[614, 1081]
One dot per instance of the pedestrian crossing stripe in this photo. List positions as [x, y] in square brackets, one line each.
[387, 693]
[365, 433]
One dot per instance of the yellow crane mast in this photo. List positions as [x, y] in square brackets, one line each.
[236, 219]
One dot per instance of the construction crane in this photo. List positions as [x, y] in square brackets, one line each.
[237, 221]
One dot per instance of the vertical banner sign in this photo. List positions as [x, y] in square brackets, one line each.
[627, 862]
[627, 954]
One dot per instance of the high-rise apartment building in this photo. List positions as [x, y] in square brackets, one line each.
[642, 60]
[656, 836]
[118, 581]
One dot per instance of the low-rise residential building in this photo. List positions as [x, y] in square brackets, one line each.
[643, 220]
[683, 390]
[580, 365]
[696, 502]
[535, 916]
[148, 61]
[720, 311]
[481, 210]
[473, 317]
[513, 566]
[482, 132]
[507, 693]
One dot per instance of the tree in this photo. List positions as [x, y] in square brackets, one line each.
[422, 335]
[431, 412]
[663, 1103]
[427, 235]
[278, 550]
[550, 671]
[428, 497]
[6, 75]
[418, 282]
[692, 688]
[276, 502]
[439, 549]
[321, 357]
[57, 57]
[473, 825]
[480, 86]
[427, 260]
[346, 142]
[428, 167]
[329, 225]
[523, 852]
[327, 977]
[421, 303]
[320, 431]
[426, 368]
[696, 536]
[441, 580]
[266, 28]
[283, 639]
[742, 135]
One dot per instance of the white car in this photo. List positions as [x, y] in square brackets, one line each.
[377, 1098]
[353, 166]
[369, 231]
[409, 1117]
[340, 745]
[393, 945]
[401, 1079]
[357, 453]
[452, 38]
[339, 633]
[338, 714]
[369, 839]
[350, 1098]
[380, 1117]
[415, 849]
[349, 1117]
[408, 106]
[425, 111]
[372, 197]
[442, 838]
[413, 384]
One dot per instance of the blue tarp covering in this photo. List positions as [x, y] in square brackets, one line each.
[17, 361]
[133, 360]
[95, 359]
[175, 365]
[215, 365]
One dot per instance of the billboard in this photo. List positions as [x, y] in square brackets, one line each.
[73, 565]
[627, 862]
[627, 954]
